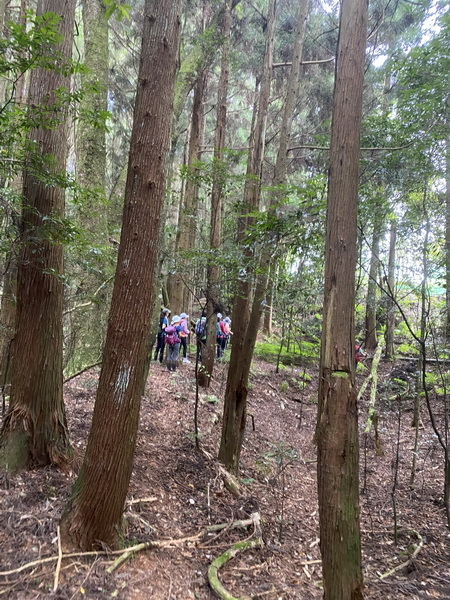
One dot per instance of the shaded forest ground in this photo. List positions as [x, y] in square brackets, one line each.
[176, 492]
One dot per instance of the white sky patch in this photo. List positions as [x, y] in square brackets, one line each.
[330, 6]
[379, 60]
[431, 27]
[123, 380]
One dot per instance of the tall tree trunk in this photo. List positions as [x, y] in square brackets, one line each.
[34, 430]
[88, 323]
[268, 310]
[424, 312]
[372, 288]
[181, 294]
[7, 318]
[279, 177]
[9, 292]
[447, 238]
[371, 338]
[93, 514]
[2, 25]
[199, 58]
[91, 145]
[235, 403]
[215, 235]
[337, 425]
[390, 320]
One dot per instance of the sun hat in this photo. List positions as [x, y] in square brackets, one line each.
[184, 316]
[219, 315]
[176, 319]
[227, 320]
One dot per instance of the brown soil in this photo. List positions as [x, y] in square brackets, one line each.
[181, 493]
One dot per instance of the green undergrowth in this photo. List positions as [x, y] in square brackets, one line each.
[269, 351]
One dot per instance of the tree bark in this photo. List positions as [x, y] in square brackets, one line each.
[94, 511]
[337, 426]
[34, 431]
[2, 25]
[181, 295]
[371, 299]
[447, 238]
[279, 177]
[390, 319]
[215, 235]
[9, 292]
[88, 324]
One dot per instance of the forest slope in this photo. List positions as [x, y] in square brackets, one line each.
[182, 493]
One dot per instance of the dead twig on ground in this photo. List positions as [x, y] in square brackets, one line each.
[129, 551]
[58, 564]
[141, 500]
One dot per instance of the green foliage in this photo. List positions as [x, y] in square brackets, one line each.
[122, 10]
[31, 45]
[211, 399]
[281, 454]
[438, 382]
[269, 351]
[408, 350]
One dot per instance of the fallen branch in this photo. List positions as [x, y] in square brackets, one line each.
[88, 368]
[225, 527]
[131, 550]
[233, 525]
[58, 564]
[139, 500]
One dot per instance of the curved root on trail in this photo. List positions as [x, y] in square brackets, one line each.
[413, 556]
[220, 561]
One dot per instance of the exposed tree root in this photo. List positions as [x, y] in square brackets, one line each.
[123, 555]
[410, 560]
[129, 552]
[220, 561]
[230, 481]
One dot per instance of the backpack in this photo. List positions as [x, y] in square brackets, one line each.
[219, 331]
[171, 337]
[200, 328]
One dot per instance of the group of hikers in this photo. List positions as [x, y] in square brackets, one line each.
[173, 334]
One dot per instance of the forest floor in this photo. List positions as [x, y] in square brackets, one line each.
[176, 492]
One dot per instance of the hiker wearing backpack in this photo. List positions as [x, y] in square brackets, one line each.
[163, 323]
[184, 334]
[227, 330]
[173, 341]
[221, 336]
[200, 334]
[359, 354]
